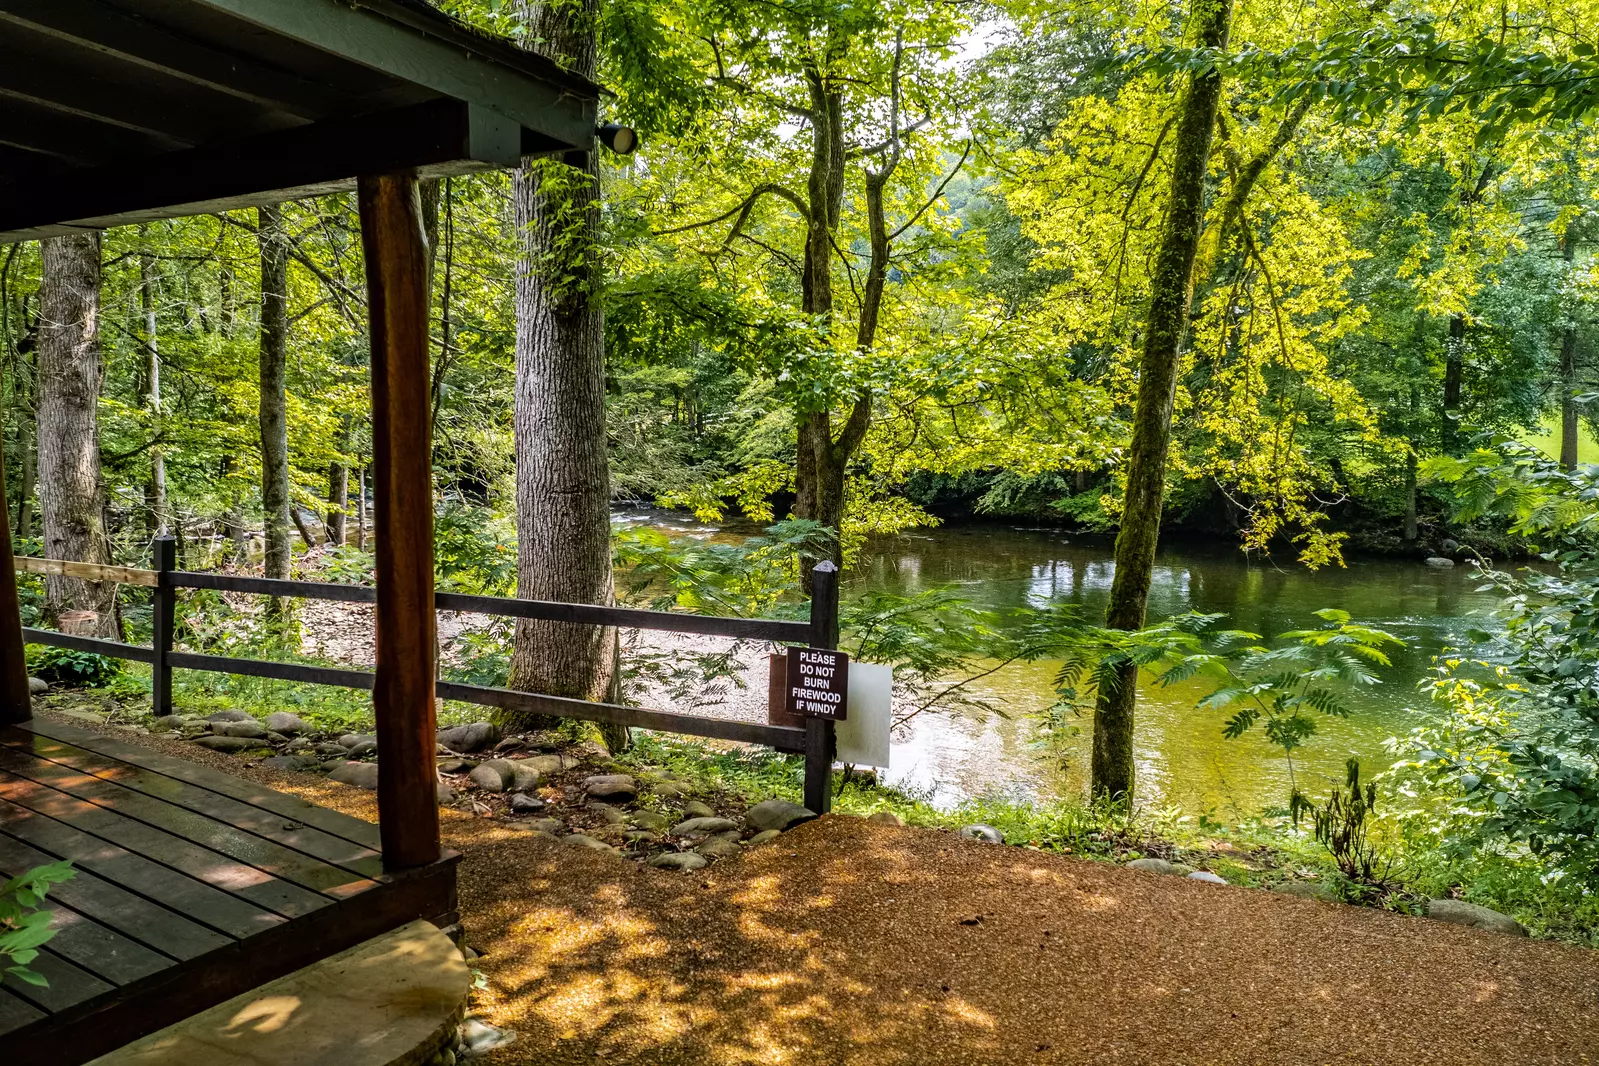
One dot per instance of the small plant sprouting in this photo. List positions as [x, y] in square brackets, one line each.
[1340, 826]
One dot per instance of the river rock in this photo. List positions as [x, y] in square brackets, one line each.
[717, 848]
[670, 790]
[290, 762]
[468, 738]
[986, 833]
[166, 723]
[612, 815]
[1153, 865]
[1459, 912]
[363, 747]
[220, 743]
[350, 740]
[640, 836]
[37, 686]
[776, 814]
[330, 748]
[610, 786]
[1438, 562]
[493, 775]
[679, 860]
[228, 716]
[248, 728]
[885, 818]
[703, 826]
[765, 836]
[290, 725]
[479, 1037]
[298, 746]
[696, 809]
[1207, 877]
[524, 777]
[545, 825]
[585, 841]
[521, 804]
[359, 774]
[650, 820]
[548, 764]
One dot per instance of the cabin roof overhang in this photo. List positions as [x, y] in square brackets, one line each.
[115, 112]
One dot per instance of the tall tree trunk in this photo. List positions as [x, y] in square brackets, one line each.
[1171, 293]
[155, 491]
[1454, 371]
[338, 502]
[274, 414]
[562, 479]
[71, 493]
[27, 443]
[360, 508]
[1569, 413]
[233, 521]
[1411, 530]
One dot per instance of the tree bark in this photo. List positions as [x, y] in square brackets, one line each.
[27, 444]
[233, 521]
[360, 508]
[1411, 524]
[1454, 371]
[337, 520]
[274, 416]
[1171, 294]
[1569, 413]
[71, 492]
[155, 492]
[562, 478]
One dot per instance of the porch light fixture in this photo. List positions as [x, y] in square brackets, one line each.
[623, 140]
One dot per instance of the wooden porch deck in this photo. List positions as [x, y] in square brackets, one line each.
[192, 887]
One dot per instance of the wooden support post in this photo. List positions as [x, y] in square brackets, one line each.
[15, 703]
[163, 600]
[402, 455]
[819, 740]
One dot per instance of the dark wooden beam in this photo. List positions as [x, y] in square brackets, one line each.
[443, 136]
[15, 703]
[402, 460]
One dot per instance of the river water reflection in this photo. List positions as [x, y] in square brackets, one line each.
[1182, 756]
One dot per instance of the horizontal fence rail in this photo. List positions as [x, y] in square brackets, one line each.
[815, 740]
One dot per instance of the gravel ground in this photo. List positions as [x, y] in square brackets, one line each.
[850, 942]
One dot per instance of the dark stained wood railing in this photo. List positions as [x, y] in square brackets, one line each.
[815, 741]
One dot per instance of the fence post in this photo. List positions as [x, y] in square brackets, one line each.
[164, 599]
[819, 743]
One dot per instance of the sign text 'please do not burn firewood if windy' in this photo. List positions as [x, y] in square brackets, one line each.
[818, 683]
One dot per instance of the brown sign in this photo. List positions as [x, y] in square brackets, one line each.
[818, 683]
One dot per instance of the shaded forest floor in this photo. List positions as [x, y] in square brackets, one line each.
[852, 942]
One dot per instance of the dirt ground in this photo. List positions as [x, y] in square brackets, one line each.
[848, 942]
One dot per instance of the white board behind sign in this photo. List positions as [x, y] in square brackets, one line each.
[863, 736]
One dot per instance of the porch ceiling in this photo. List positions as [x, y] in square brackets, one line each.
[121, 111]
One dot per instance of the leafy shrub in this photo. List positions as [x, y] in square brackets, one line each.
[1341, 825]
[75, 669]
[24, 928]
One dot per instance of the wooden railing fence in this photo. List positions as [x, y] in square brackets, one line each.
[815, 741]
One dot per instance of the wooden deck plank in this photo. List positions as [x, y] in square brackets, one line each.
[265, 855]
[15, 1012]
[329, 821]
[241, 899]
[102, 952]
[68, 987]
[356, 858]
[115, 907]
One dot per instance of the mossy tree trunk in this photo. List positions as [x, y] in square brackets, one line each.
[1171, 294]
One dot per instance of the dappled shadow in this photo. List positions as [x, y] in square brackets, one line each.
[846, 942]
[852, 942]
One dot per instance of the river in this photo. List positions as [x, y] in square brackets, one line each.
[1182, 757]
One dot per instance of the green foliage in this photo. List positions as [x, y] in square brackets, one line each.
[76, 669]
[1342, 824]
[24, 928]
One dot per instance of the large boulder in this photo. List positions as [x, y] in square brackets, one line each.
[248, 728]
[359, 774]
[776, 814]
[475, 736]
[1438, 562]
[290, 725]
[1459, 912]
